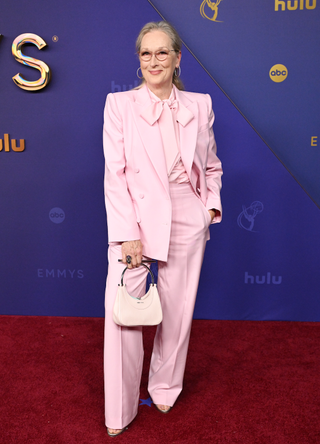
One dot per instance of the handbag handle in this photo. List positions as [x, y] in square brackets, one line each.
[152, 276]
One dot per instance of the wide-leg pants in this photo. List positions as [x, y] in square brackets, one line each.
[178, 280]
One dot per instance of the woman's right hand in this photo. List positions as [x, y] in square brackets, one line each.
[133, 249]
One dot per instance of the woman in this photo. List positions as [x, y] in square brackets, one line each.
[162, 191]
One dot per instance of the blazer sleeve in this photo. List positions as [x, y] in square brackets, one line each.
[121, 216]
[214, 168]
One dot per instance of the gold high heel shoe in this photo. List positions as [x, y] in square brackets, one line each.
[163, 411]
[116, 434]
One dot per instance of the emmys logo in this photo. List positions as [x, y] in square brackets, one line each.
[247, 216]
[45, 73]
[5, 143]
[56, 215]
[207, 5]
[57, 273]
[278, 73]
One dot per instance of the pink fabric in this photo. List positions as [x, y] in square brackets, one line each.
[168, 135]
[178, 279]
[176, 172]
[179, 174]
[135, 160]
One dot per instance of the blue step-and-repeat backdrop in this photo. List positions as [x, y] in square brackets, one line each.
[260, 63]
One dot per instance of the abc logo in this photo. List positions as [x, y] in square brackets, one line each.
[56, 215]
[278, 73]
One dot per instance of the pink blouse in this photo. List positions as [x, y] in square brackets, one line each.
[176, 171]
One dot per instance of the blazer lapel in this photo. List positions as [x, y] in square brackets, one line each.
[150, 135]
[188, 129]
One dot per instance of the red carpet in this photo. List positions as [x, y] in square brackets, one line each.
[246, 382]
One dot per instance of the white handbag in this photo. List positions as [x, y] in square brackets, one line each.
[130, 312]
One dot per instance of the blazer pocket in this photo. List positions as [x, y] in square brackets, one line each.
[206, 212]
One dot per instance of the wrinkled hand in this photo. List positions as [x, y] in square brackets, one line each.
[133, 249]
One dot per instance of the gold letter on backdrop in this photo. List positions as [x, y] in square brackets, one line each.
[17, 149]
[278, 3]
[294, 7]
[314, 4]
[30, 61]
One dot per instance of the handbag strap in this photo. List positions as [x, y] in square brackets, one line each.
[150, 272]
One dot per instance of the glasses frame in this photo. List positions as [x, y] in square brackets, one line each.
[155, 54]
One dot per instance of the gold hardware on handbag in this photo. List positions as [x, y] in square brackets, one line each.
[130, 312]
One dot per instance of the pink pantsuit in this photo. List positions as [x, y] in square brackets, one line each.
[172, 222]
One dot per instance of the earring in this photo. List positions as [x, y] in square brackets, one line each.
[177, 71]
[138, 73]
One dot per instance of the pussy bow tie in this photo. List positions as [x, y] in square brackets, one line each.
[153, 112]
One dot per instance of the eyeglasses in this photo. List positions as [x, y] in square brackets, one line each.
[161, 54]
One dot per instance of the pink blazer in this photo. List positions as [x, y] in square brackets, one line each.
[136, 183]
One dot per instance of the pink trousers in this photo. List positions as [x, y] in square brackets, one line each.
[178, 280]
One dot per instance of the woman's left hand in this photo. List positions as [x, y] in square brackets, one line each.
[212, 214]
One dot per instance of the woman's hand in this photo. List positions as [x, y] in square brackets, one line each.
[133, 249]
[212, 214]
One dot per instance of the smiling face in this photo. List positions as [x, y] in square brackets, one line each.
[158, 74]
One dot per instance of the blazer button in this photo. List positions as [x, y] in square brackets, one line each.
[141, 196]
[137, 170]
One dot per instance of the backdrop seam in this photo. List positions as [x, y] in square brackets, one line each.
[237, 108]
